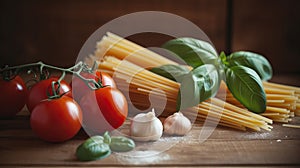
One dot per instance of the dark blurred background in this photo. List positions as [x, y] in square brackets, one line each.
[54, 30]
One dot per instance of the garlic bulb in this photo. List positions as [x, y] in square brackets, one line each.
[177, 124]
[146, 127]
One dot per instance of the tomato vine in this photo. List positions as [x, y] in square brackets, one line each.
[9, 73]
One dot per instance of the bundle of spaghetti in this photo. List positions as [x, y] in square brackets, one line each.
[139, 83]
[132, 78]
[290, 94]
[226, 114]
[281, 102]
[121, 48]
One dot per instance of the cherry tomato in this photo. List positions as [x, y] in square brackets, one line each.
[107, 80]
[103, 110]
[56, 120]
[79, 88]
[13, 96]
[39, 91]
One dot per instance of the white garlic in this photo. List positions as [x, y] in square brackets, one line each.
[146, 127]
[177, 124]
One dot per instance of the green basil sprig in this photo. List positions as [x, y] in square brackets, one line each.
[192, 51]
[243, 71]
[92, 149]
[100, 147]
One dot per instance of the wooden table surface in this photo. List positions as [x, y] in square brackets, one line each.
[225, 147]
[19, 147]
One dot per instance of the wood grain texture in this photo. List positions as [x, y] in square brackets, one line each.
[225, 147]
[54, 31]
[271, 28]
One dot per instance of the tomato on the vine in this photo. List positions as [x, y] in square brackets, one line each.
[56, 120]
[13, 96]
[104, 109]
[107, 80]
[79, 88]
[39, 91]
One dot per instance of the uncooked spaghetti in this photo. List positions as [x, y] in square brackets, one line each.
[127, 61]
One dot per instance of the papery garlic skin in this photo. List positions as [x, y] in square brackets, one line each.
[177, 124]
[146, 127]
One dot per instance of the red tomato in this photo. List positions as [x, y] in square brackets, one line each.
[56, 120]
[13, 96]
[39, 91]
[107, 80]
[79, 88]
[103, 110]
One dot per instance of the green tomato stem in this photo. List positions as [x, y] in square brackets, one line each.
[75, 70]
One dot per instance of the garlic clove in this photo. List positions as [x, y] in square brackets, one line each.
[177, 124]
[145, 117]
[146, 127]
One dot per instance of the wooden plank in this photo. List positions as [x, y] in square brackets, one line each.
[19, 147]
[270, 28]
[55, 30]
[34, 152]
[20, 128]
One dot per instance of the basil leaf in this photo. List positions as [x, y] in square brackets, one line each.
[173, 72]
[121, 144]
[252, 60]
[193, 51]
[198, 85]
[189, 93]
[246, 86]
[208, 80]
[92, 149]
